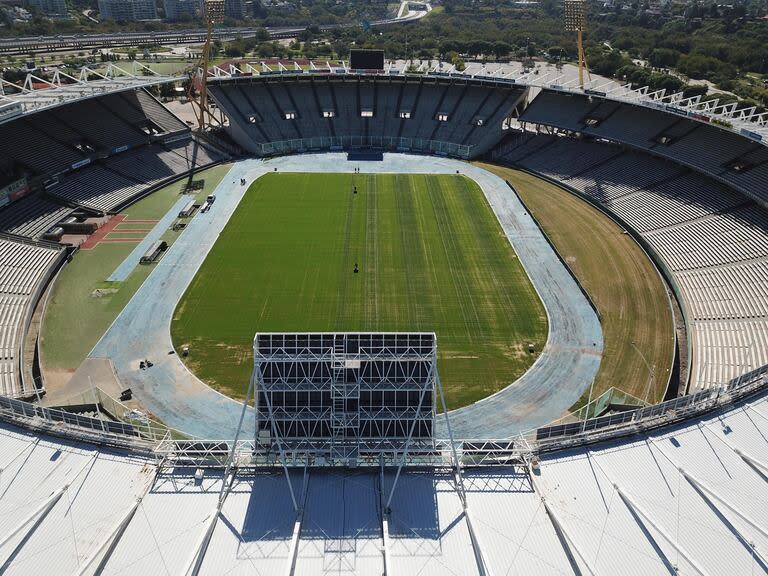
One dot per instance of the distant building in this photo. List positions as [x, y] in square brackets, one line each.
[181, 9]
[127, 10]
[49, 7]
[234, 9]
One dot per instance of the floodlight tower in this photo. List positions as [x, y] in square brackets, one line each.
[213, 11]
[576, 21]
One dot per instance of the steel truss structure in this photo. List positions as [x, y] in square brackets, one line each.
[37, 93]
[346, 398]
[247, 453]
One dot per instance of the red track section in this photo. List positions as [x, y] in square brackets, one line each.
[98, 236]
[118, 240]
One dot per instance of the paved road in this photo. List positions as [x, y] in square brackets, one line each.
[565, 368]
[63, 42]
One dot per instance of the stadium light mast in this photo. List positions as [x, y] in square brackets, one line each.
[213, 11]
[576, 21]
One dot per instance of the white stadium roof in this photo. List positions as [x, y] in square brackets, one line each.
[688, 499]
[37, 93]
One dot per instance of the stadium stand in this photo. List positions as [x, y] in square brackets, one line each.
[96, 188]
[32, 216]
[559, 109]
[57, 139]
[116, 181]
[561, 157]
[674, 492]
[454, 116]
[713, 240]
[23, 268]
[718, 152]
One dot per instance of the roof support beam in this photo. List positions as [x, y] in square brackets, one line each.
[643, 517]
[38, 514]
[637, 509]
[712, 498]
[708, 496]
[196, 559]
[107, 546]
[712, 493]
[12, 459]
[758, 465]
[568, 544]
[110, 542]
[482, 566]
[294, 547]
[384, 519]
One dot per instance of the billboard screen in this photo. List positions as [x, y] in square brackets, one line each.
[366, 60]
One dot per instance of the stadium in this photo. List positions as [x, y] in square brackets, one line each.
[382, 321]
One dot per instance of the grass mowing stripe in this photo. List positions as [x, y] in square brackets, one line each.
[344, 270]
[487, 241]
[410, 257]
[455, 265]
[371, 264]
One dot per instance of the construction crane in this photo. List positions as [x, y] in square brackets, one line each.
[213, 11]
[576, 21]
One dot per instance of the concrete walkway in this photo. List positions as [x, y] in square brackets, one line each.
[565, 368]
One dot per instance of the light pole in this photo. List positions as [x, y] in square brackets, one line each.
[652, 370]
[576, 21]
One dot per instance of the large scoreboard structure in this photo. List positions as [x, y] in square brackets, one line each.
[366, 59]
[346, 398]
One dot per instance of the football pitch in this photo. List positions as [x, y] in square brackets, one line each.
[431, 257]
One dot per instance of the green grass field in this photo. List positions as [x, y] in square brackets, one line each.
[432, 257]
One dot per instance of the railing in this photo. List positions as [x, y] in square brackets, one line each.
[171, 446]
[139, 425]
[416, 145]
[559, 436]
[119, 425]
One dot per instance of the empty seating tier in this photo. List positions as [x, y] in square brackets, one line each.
[32, 216]
[55, 140]
[23, 267]
[714, 150]
[282, 114]
[713, 240]
[119, 179]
